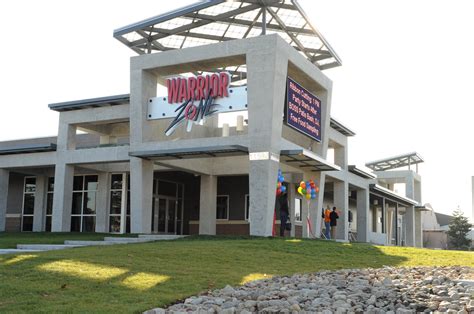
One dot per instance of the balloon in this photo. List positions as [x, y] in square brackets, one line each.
[283, 188]
[304, 191]
[279, 184]
[313, 196]
[302, 184]
[278, 192]
[300, 190]
[308, 196]
[317, 189]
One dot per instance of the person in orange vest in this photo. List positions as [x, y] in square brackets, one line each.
[327, 221]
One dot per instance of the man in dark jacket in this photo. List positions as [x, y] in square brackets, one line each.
[334, 217]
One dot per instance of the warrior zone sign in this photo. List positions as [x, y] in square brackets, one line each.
[192, 99]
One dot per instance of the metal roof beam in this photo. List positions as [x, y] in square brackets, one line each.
[248, 23]
[187, 27]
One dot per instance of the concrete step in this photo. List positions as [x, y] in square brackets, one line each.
[88, 243]
[161, 236]
[14, 251]
[45, 247]
[126, 240]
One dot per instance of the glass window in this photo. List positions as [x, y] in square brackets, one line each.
[115, 202]
[84, 203]
[78, 184]
[49, 204]
[76, 203]
[28, 204]
[50, 184]
[116, 183]
[114, 224]
[29, 189]
[298, 208]
[166, 188]
[30, 185]
[222, 207]
[91, 183]
[247, 206]
[27, 223]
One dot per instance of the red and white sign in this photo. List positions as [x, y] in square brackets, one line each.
[194, 98]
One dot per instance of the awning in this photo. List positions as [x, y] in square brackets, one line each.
[391, 196]
[306, 159]
[361, 173]
[191, 152]
[28, 148]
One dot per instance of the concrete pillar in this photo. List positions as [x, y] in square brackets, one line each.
[341, 201]
[66, 136]
[102, 213]
[207, 205]
[39, 214]
[266, 94]
[363, 217]
[418, 229]
[410, 225]
[141, 192]
[340, 157]
[62, 198]
[4, 179]
[142, 87]
[291, 198]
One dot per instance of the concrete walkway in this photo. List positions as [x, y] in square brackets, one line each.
[28, 248]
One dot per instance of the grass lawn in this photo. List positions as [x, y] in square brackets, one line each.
[136, 277]
[9, 240]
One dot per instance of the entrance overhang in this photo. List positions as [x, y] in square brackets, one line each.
[304, 158]
[191, 152]
[391, 196]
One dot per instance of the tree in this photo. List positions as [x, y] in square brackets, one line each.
[458, 230]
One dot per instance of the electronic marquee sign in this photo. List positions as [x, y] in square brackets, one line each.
[303, 110]
[191, 99]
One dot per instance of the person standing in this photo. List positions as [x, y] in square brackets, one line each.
[284, 213]
[333, 217]
[326, 216]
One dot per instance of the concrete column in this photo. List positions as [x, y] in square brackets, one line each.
[363, 217]
[4, 179]
[291, 198]
[39, 214]
[341, 201]
[141, 193]
[142, 87]
[62, 198]
[410, 226]
[101, 219]
[390, 217]
[340, 157]
[207, 205]
[66, 136]
[266, 94]
[418, 229]
[320, 179]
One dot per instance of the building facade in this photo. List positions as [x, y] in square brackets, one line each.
[203, 157]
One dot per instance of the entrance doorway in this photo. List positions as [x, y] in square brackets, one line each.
[167, 213]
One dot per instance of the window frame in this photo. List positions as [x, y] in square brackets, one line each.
[228, 209]
[247, 207]
[23, 203]
[301, 209]
[84, 192]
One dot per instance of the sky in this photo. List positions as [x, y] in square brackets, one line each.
[404, 84]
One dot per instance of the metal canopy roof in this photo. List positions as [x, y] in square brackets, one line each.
[338, 126]
[213, 21]
[91, 103]
[305, 159]
[391, 196]
[405, 160]
[193, 152]
[28, 148]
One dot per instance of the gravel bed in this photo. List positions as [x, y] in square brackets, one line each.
[385, 290]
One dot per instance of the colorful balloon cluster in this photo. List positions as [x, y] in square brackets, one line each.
[280, 187]
[308, 189]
